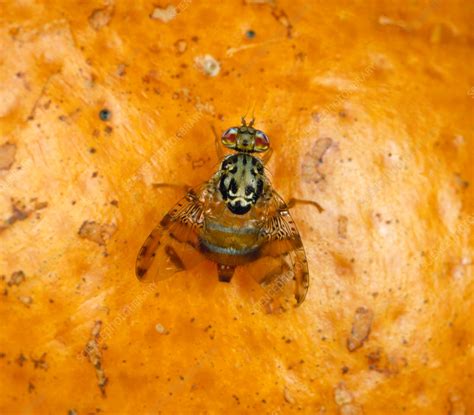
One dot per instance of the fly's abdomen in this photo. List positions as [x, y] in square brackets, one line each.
[230, 245]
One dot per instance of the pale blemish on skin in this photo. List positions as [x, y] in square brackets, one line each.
[449, 205]
[208, 65]
[164, 14]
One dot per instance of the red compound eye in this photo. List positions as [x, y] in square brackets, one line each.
[230, 136]
[261, 141]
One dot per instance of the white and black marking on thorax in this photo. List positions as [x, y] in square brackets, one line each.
[242, 182]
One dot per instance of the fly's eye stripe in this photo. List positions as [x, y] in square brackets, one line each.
[230, 135]
[230, 131]
[261, 140]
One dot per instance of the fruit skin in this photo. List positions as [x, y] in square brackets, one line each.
[389, 85]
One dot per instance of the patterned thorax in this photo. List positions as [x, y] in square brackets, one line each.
[241, 183]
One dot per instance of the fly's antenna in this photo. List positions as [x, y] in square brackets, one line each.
[244, 122]
[252, 121]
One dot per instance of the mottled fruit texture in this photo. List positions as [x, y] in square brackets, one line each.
[106, 111]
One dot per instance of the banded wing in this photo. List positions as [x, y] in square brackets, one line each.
[283, 265]
[172, 246]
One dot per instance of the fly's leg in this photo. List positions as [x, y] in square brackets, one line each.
[217, 142]
[225, 272]
[293, 202]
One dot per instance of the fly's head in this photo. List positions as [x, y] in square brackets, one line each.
[241, 182]
[246, 139]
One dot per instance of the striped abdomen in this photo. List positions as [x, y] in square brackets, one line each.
[229, 244]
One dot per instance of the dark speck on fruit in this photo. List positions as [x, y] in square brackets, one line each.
[105, 114]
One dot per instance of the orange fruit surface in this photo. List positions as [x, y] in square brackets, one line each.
[369, 109]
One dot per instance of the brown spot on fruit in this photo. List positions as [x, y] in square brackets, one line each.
[21, 212]
[16, 278]
[121, 69]
[96, 232]
[283, 19]
[389, 365]
[313, 160]
[361, 326]
[7, 155]
[343, 266]
[320, 147]
[93, 353]
[40, 205]
[40, 363]
[180, 46]
[342, 226]
[21, 359]
[100, 18]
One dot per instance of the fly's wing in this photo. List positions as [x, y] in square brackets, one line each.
[172, 246]
[282, 265]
